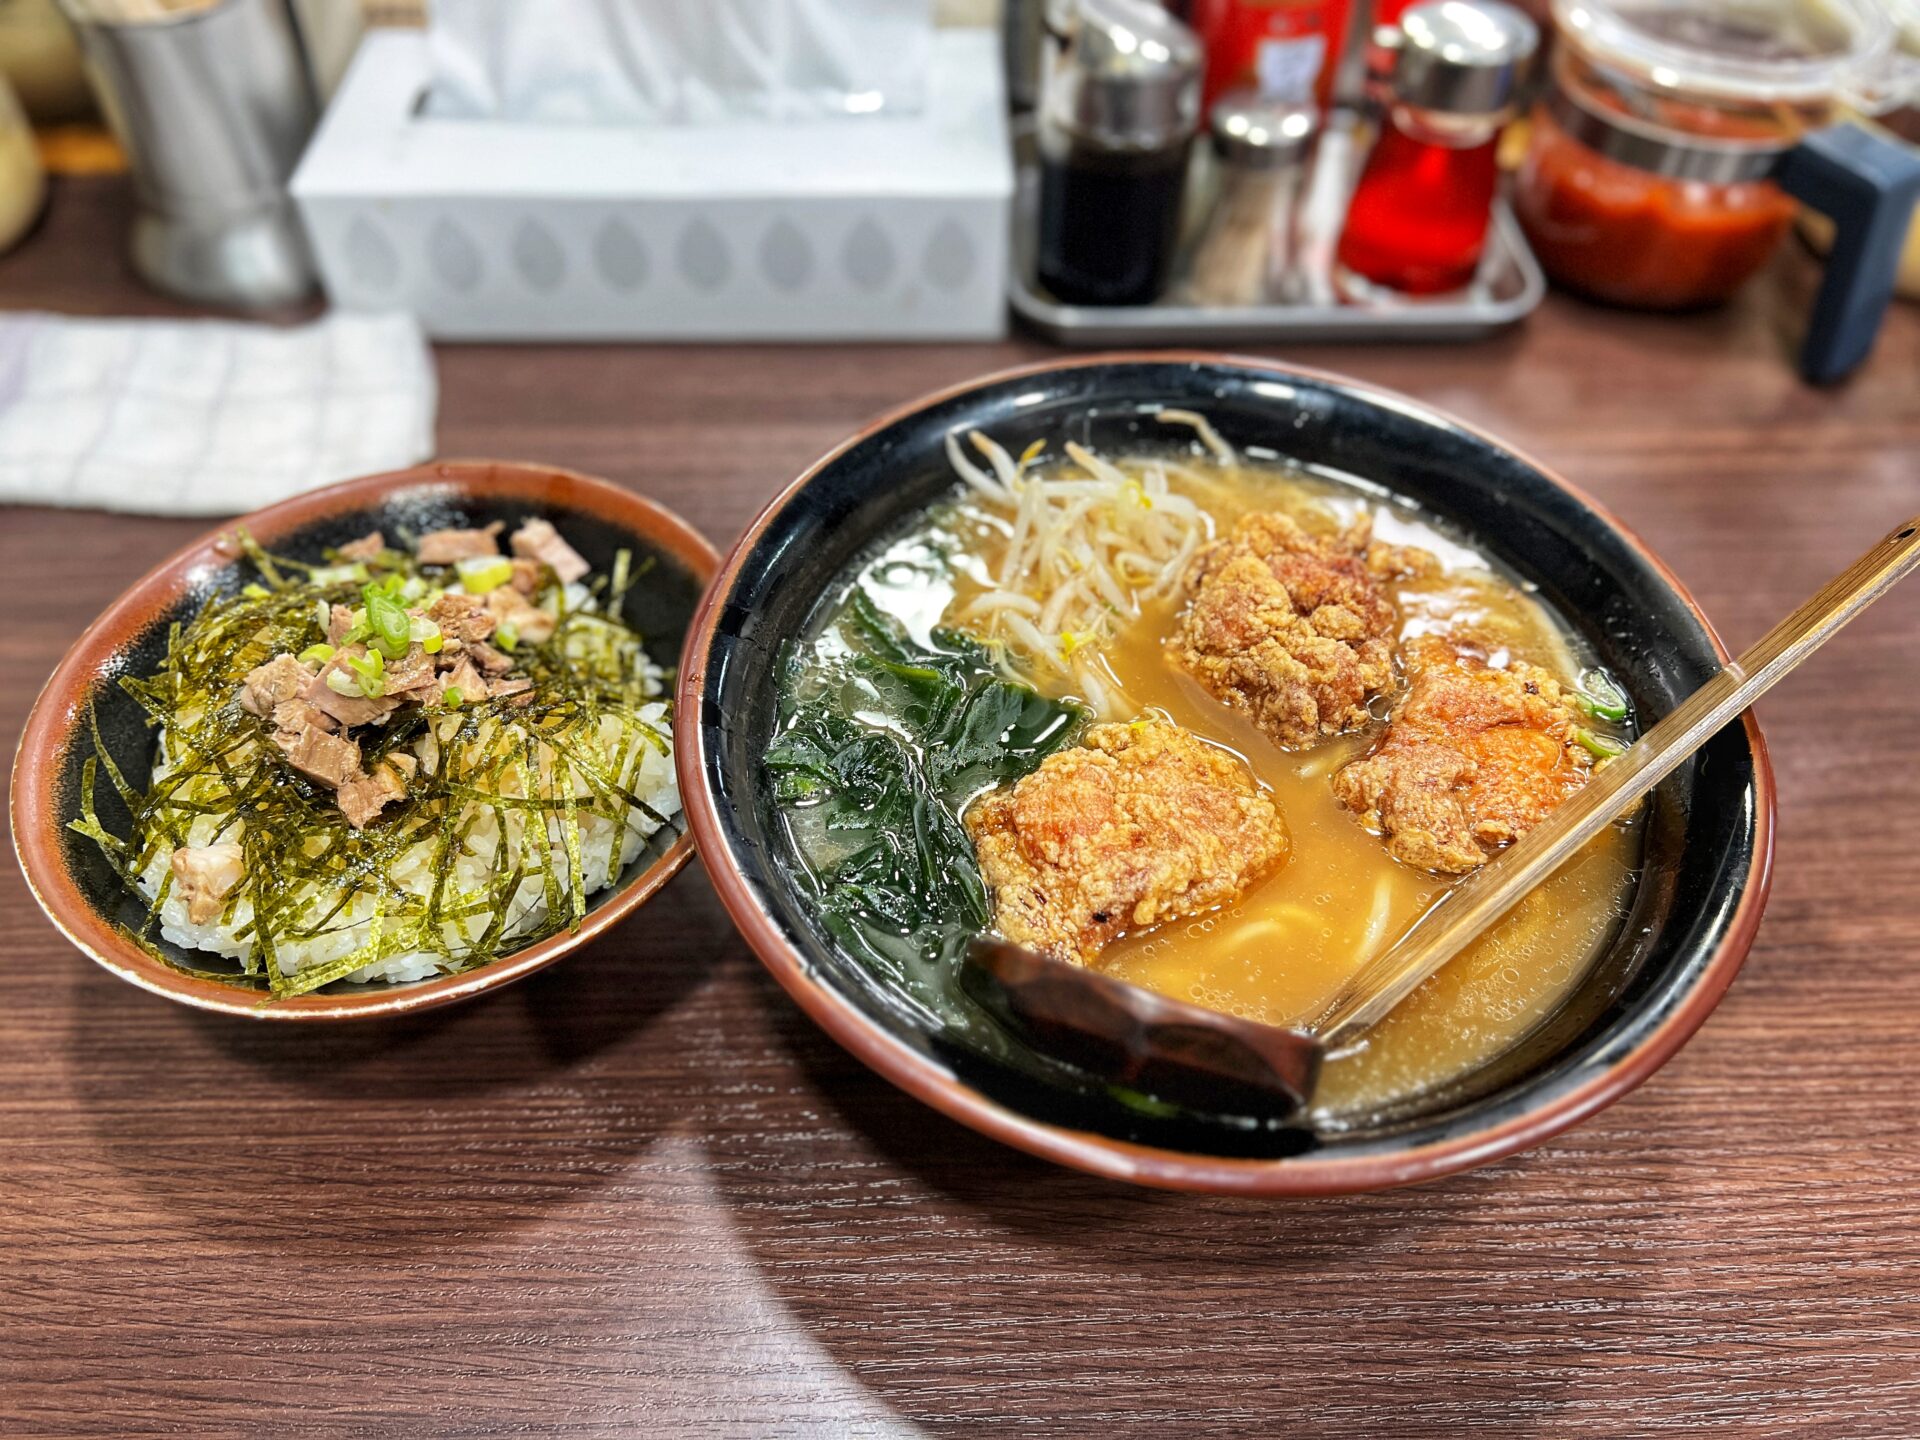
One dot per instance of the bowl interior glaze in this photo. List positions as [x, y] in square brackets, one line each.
[1706, 840]
[72, 877]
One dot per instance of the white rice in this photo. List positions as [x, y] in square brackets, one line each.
[648, 776]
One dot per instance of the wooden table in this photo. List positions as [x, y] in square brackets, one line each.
[641, 1194]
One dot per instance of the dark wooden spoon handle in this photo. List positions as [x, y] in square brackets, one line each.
[1129, 1036]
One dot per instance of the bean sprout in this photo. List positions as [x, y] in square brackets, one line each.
[1088, 542]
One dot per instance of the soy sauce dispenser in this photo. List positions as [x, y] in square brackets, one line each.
[1119, 107]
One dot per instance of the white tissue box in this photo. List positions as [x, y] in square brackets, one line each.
[864, 227]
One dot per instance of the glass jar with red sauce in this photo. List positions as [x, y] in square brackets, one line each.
[1650, 177]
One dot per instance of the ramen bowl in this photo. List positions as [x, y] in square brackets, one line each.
[1706, 848]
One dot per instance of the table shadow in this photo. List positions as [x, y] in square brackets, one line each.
[1114, 1284]
[448, 1124]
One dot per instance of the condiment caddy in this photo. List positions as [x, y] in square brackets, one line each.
[1508, 287]
[1272, 246]
[1668, 151]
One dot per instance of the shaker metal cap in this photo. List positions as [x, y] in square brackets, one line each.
[1261, 133]
[1129, 76]
[1462, 57]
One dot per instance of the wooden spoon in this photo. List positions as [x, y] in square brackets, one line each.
[1193, 1056]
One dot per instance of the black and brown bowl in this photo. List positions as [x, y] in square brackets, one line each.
[70, 876]
[1707, 834]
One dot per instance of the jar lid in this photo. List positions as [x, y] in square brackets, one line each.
[1463, 57]
[1261, 133]
[1756, 50]
[1128, 76]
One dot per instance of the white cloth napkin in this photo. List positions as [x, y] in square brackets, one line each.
[206, 417]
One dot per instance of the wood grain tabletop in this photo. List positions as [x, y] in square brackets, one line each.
[640, 1194]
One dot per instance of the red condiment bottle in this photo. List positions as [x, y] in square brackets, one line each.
[1283, 49]
[1418, 219]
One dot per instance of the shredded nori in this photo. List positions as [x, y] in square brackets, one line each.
[515, 760]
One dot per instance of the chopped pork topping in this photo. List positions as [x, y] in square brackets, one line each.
[328, 759]
[462, 617]
[490, 660]
[414, 676]
[297, 714]
[339, 622]
[349, 710]
[1289, 628]
[204, 875]
[368, 547]
[530, 623]
[538, 540]
[281, 678]
[466, 680]
[1142, 824]
[363, 798]
[444, 547]
[312, 718]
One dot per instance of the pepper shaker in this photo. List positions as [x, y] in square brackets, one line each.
[1246, 254]
[1118, 112]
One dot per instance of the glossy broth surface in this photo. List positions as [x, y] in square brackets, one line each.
[1281, 952]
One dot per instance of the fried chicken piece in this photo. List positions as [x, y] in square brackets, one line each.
[1291, 629]
[1141, 824]
[1474, 758]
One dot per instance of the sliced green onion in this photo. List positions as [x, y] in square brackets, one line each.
[372, 672]
[359, 630]
[506, 637]
[452, 698]
[392, 626]
[338, 574]
[1600, 697]
[255, 592]
[342, 683]
[317, 654]
[1601, 747]
[482, 573]
[322, 615]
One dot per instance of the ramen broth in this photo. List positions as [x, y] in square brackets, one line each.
[1286, 946]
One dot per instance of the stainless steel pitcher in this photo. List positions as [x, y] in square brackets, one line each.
[214, 107]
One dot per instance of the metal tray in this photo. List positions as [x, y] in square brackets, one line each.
[1508, 287]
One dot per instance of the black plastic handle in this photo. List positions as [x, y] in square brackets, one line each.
[1868, 186]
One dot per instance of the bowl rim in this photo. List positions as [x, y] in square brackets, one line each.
[923, 1077]
[33, 807]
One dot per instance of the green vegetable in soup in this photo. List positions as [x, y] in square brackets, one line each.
[1600, 697]
[881, 744]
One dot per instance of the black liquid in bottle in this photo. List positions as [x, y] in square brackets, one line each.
[1109, 221]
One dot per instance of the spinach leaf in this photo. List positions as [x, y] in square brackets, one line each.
[883, 741]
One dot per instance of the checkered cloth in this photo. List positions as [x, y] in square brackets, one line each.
[206, 417]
